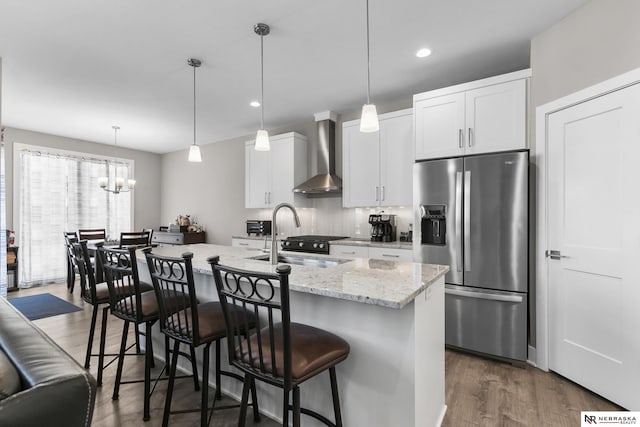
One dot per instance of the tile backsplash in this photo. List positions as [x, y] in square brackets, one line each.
[328, 217]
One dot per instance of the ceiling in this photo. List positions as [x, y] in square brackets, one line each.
[75, 67]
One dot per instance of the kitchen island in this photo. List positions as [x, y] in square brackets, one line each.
[392, 315]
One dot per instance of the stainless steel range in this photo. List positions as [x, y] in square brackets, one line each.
[311, 243]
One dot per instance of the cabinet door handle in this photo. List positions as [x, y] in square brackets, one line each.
[460, 139]
[382, 193]
[391, 256]
[377, 192]
[265, 197]
[348, 253]
[243, 244]
[470, 138]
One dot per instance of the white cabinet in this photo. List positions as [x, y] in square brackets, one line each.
[377, 167]
[373, 252]
[479, 117]
[391, 254]
[346, 251]
[251, 243]
[270, 176]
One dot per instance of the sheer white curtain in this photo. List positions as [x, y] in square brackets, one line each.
[60, 192]
[3, 228]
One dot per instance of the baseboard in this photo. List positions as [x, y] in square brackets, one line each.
[441, 417]
[532, 358]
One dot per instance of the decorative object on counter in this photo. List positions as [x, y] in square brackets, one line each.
[183, 220]
[195, 228]
[194, 150]
[383, 227]
[258, 227]
[369, 120]
[262, 137]
[118, 185]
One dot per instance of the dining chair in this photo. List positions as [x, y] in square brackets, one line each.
[279, 352]
[201, 324]
[70, 237]
[135, 302]
[150, 231]
[136, 238]
[92, 234]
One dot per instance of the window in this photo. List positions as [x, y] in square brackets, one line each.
[59, 192]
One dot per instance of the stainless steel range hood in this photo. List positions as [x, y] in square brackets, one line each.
[326, 181]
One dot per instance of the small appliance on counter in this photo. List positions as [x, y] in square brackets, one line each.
[383, 227]
[258, 227]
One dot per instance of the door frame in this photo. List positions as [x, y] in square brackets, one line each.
[630, 78]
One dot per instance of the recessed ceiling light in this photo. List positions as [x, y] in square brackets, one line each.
[423, 53]
[254, 103]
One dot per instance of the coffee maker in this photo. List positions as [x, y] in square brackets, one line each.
[383, 227]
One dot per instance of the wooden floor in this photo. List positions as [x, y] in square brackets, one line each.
[479, 392]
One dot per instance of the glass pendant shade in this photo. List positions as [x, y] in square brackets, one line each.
[194, 153]
[262, 141]
[369, 120]
[131, 183]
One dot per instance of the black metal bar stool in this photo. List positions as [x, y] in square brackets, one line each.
[280, 353]
[135, 302]
[199, 324]
[96, 294]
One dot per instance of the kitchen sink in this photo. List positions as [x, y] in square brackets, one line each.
[304, 260]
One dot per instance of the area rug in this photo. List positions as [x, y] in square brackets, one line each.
[42, 305]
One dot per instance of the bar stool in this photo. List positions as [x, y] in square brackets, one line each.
[199, 324]
[281, 353]
[70, 237]
[135, 302]
[96, 294]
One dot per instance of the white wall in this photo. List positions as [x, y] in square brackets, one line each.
[598, 41]
[212, 192]
[147, 171]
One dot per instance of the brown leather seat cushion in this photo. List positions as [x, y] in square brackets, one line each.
[149, 304]
[102, 291]
[312, 350]
[210, 321]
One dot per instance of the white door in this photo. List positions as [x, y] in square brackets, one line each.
[439, 127]
[360, 167]
[594, 221]
[257, 184]
[496, 118]
[396, 161]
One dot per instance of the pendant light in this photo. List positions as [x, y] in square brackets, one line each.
[262, 137]
[194, 150]
[369, 120]
[118, 185]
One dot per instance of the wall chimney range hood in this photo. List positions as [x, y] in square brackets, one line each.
[326, 181]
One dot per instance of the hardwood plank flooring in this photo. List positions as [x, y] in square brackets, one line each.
[479, 391]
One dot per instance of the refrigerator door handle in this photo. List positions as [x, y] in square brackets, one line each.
[484, 295]
[458, 214]
[467, 221]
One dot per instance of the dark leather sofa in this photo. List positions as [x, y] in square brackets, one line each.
[53, 389]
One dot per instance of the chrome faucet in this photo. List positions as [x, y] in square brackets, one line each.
[273, 258]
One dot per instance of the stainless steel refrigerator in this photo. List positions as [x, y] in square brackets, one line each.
[472, 214]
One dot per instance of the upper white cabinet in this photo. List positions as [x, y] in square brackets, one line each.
[377, 166]
[484, 116]
[271, 175]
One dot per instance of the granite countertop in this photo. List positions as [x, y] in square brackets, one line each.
[392, 284]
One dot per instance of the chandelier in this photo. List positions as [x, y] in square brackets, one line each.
[118, 184]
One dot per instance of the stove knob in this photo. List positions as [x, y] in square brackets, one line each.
[301, 244]
[321, 245]
[315, 246]
[287, 243]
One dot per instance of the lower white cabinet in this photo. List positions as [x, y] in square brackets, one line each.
[346, 251]
[391, 254]
[251, 243]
